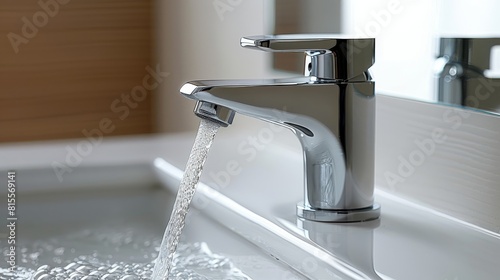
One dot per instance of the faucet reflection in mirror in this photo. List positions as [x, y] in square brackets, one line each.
[462, 67]
[331, 109]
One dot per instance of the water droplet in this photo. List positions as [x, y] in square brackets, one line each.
[59, 251]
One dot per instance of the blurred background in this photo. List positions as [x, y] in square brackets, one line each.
[71, 67]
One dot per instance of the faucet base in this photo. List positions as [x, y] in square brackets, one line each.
[339, 216]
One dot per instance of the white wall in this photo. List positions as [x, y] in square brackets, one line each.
[465, 18]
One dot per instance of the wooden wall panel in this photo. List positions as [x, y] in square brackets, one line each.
[64, 77]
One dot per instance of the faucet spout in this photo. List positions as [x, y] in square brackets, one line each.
[332, 115]
[249, 97]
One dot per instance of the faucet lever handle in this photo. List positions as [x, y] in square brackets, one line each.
[327, 56]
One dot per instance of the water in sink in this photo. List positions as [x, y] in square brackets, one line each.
[191, 260]
[187, 188]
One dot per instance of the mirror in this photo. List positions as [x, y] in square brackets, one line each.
[444, 51]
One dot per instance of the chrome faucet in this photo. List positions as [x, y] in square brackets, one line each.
[331, 109]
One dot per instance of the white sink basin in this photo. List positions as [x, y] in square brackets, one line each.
[115, 225]
[254, 204]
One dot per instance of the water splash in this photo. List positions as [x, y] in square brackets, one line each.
[187, 188]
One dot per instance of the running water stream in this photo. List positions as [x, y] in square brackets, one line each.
[187, 188]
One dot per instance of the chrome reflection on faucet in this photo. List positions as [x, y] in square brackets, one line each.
[461, 70]
[331, 109]
[351, 243]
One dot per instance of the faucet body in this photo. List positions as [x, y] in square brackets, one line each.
[333, 118]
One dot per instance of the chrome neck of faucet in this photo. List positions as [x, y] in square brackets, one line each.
[332, 114]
